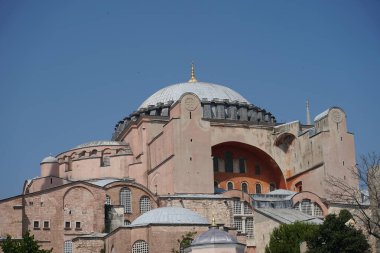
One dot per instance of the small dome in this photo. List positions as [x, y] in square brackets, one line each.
[49, 159]
[208, 91]
[169, 215]
[214, 236]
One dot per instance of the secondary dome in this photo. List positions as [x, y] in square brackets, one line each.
[214, 236]
[169, 215]
[203, 90]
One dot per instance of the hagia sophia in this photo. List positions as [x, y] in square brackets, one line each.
[196, 158]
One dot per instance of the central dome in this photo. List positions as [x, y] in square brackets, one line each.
[203, 90]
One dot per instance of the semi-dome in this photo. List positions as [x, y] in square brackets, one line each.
[169, 215]
[214, 236]
[49, 159]
[203, 90]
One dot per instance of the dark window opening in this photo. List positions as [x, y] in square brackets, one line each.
[46, 224]
[77, 225]
[215, 161]
[299, 186]
[242, 165]
[230, 186]
[257, 169]
[36, 224]
[228, 162]
[244, 187]
[258, 188]
[272, 186]
[67, 225]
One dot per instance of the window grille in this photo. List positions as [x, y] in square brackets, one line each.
[238, 224]
[68, 247]
[237, 207]
[127, 222]
[140, 247]
[108, 200]
[247, 209]
[125, 200]
[317, 210]
[244, 187]
[249, 226]
[144, 204]
[306, 207]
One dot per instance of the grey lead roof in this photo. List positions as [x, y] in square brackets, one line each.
[169, 215]
[208, 91]
[214, 236]
[288, 216]
[100, 143]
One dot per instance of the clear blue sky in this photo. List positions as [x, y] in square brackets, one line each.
[69, 70]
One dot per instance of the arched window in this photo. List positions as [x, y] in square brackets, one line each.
[140, 247]
[306, 206]
[272, 186]
[144, 204]
[258, 188]
[317, 210]
[216, 184]
[68, 247]
[105, 160]
[230, 186]
[125, 199]
[299, 186]
[108, 200]
[244, 187]
[93, 152]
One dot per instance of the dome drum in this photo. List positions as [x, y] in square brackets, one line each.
[218, 103]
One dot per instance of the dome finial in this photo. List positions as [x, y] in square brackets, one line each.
[192, 79]
[213, 223]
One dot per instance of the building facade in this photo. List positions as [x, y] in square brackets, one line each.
[192, 151]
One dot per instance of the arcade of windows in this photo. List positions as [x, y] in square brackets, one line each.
[229, 164]
[126, 201]
[243, 218]
[308, 207]
[244, 187]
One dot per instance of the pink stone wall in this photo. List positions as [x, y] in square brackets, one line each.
[11, 217]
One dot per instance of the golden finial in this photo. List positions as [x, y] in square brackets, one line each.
[192, 79]
[213, 223]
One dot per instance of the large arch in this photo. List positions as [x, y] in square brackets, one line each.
[239, 162]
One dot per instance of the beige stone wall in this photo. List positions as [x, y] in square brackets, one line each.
[220, 209]
[81, 245]
[263, 228]
[72, 203]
